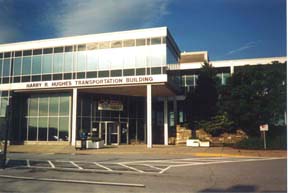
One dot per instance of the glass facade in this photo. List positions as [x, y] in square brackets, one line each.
[131, 57]
[48, 117]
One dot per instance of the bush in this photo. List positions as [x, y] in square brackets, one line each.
[278, 142]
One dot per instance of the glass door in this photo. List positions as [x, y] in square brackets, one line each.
[113, 129]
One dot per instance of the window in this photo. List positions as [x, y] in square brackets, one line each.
[26, 66]
[47, 64]
[58, 63]
[6, 67]
[155, 40]
[36, 65]
[92, 60]
[116, 44]
[128, 43]
[140, 42]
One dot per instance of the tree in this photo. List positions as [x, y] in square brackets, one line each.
[255, 95]
[201, 103]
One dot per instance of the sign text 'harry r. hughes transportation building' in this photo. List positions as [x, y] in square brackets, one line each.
[122, 86]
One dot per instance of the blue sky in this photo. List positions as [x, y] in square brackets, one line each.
[227, 29]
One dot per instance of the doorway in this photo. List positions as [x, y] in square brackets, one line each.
[112, 132]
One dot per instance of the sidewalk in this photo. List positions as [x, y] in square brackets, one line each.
[142, 149]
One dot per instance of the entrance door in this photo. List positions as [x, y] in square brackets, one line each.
[109, 132]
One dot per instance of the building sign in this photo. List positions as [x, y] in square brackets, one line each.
[110, 105]
[87, 82]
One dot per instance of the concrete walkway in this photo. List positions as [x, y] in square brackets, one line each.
[142, 149]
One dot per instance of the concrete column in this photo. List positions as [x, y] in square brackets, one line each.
[231, 69]
[165, 121]
[74, 117]
[149, 115]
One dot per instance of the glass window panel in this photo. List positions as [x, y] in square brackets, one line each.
[103, 74]
[163, 40]
[92, 60]
[140, 42]
[25, 78]
[115, 73]
[58, 50]
[104, 45]
[17, 66]
[1, 64]
[68, 67]
[80, 75]
[63, 128]
[4, 103]
[7, 54]
[189, 80]
[36, 78]
[104, 59]
[46, 77]
[64, 105]
[117, 59]
[140, 57]
[92, 74]
[82, 47]
[140, 71]
[116, 44]
[33, 107]
[156, 70]
[26, 66]
[81, 61]
[6, 67]
[32, 131]
[47, 64]
[92, 46]
[18, 53]
[68, 48]
[155, 55]
[128, 43]
[16, 79]
[42, 128]
[36, 65]
[129, 58]
[48, 50]
[155, 40]
[43, 106]
[58, 63]
[129, 72]
[53, 129]
[67, 76]
[1, 55]
[37, 52]
[27, 52]
[53, 106]
[226, 76]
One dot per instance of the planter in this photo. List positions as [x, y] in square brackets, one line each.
[197, 143]
[94, 145]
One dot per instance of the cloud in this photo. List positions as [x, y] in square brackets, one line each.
[94, 16]
[247, 46]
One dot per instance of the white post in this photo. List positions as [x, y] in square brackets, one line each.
[165, 121]
[149, 116]
[231, 69]
[74, 117]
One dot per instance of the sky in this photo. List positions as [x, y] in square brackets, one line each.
[227, 29]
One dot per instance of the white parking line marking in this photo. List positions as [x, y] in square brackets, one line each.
[140, 171]
[74, 181]
[102, 166]
[80, 168]
[51, 164]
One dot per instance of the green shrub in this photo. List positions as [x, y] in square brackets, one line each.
[278, 142]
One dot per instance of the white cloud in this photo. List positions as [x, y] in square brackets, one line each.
[94, 16]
